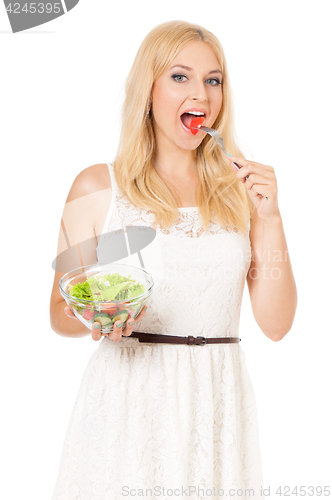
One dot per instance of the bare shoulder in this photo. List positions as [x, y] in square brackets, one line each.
[90, 181]
[91, 194]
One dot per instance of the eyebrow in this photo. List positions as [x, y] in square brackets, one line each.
[191, 69]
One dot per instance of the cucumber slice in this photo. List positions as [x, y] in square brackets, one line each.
[102, 318]
[120, 316]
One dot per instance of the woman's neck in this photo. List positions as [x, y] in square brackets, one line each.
[178, 165]
[179, 172]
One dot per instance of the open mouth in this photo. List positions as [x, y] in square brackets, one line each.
[187, 118]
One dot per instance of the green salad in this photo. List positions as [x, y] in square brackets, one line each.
[107, 287]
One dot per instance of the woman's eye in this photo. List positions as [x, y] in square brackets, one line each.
[215, 81]
[178, 78]
[211, 81]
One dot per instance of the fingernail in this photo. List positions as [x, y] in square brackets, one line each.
[131, 322]
[96, 326]
[119, 325]
[229, 154]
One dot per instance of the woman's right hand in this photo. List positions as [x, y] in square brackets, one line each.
[117, 332]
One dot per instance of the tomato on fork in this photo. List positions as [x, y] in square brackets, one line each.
[196, 122]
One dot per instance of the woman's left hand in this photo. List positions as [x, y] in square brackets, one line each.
[261, 186]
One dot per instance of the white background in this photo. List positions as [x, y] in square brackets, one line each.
[61, 90]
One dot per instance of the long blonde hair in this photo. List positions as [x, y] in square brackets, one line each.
[220, 193]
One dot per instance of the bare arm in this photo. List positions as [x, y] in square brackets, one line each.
[76, 228]
[270, 278]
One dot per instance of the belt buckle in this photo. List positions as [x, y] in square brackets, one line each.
[204, 342]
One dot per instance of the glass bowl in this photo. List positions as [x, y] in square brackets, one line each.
[129, 302]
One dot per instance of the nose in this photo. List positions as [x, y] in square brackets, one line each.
[198, 92]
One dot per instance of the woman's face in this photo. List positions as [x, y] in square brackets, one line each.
[195, 87]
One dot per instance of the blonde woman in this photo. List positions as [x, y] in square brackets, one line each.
[172, 413]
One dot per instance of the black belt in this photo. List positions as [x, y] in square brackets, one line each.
[190, 340]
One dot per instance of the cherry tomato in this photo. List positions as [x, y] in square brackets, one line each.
[109, 307]
[195, 123]
[88, 314]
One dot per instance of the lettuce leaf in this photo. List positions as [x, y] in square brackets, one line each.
[107, 287]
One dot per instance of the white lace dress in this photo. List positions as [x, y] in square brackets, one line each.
[165, 420]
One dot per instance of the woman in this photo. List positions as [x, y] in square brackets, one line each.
[154, 419]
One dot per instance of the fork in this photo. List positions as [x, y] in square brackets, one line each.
[219, 140]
